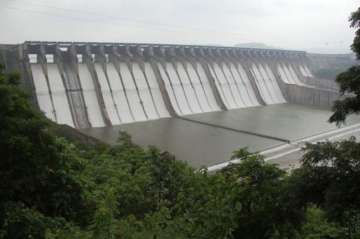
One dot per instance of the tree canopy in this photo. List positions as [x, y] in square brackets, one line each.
[57, 188]
[349, 81]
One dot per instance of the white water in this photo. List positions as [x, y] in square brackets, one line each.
[144, 92]
[308, 72]
[268, 84]
[61, 102]
[224, 85]
[275, 85]
[302, 70]
[188, 89]
[283, 75]
[207, 88]
[178, 90]
[295, 76]
[264, 93]
[233, 86]
[219, 87]
[130, 91]
[107, 96]
[155, 90]
[199, 88]
[42, 91]
[122, 105]
[247, 84]
[170, 90]
[241, 86]
[90, 97]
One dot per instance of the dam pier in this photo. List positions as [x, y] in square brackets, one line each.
[199, 102]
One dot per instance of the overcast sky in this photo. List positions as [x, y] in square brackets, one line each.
[313, 25]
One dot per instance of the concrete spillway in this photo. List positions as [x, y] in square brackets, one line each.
[199, 102]
[90, 85]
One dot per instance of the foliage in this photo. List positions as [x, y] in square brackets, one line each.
[317, 226]
[262, 195]
[349, 81]
[329, 178]
[61, 189]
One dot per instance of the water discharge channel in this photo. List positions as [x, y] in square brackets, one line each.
[199, 102]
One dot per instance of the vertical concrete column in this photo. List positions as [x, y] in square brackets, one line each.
[102, 59]
[294, 60]
[254, 55]
[224, 57]
[171, 58]
[152, 59]
[243, 57]
[273, 59]
[181, 57]
[204, 60]
[306, 61]
[189, 56]
[309, 63]
[42, 60]
[74, 65]
[286, 58]
[59, 61]
[130, 58]
[162, 60]
[67, 64]
[115, 58]
[230, 55]
[25, 71]
[139, 58]
[216, 62]
[89, 61]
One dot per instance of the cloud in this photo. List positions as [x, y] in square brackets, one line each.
[296, 24]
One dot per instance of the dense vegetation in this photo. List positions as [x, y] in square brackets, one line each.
[56, 188]
[53, 187]
[349, 81]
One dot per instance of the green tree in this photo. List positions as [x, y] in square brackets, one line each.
[317, 226]
[266, 209]
[329, 178]
[349, 81]
[38, 169]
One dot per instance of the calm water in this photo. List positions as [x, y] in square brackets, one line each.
[204, 145]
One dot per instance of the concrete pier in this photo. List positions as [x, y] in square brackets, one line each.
[199, 102]
[87, 85]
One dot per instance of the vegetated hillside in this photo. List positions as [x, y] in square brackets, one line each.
[53, 187]
[328, 66]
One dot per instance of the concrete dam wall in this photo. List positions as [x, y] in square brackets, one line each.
[87, 85]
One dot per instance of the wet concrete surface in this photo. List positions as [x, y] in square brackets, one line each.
[292, 160]
[285, 121]
[204, 145]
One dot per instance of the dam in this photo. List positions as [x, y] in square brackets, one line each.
[199, 102]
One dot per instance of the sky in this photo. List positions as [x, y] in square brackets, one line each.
[311, 25]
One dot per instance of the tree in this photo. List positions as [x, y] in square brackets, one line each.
[329, 178]
[36, 167]
[266, 211]
[349, 81]
[317, 226]
[57, 188]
